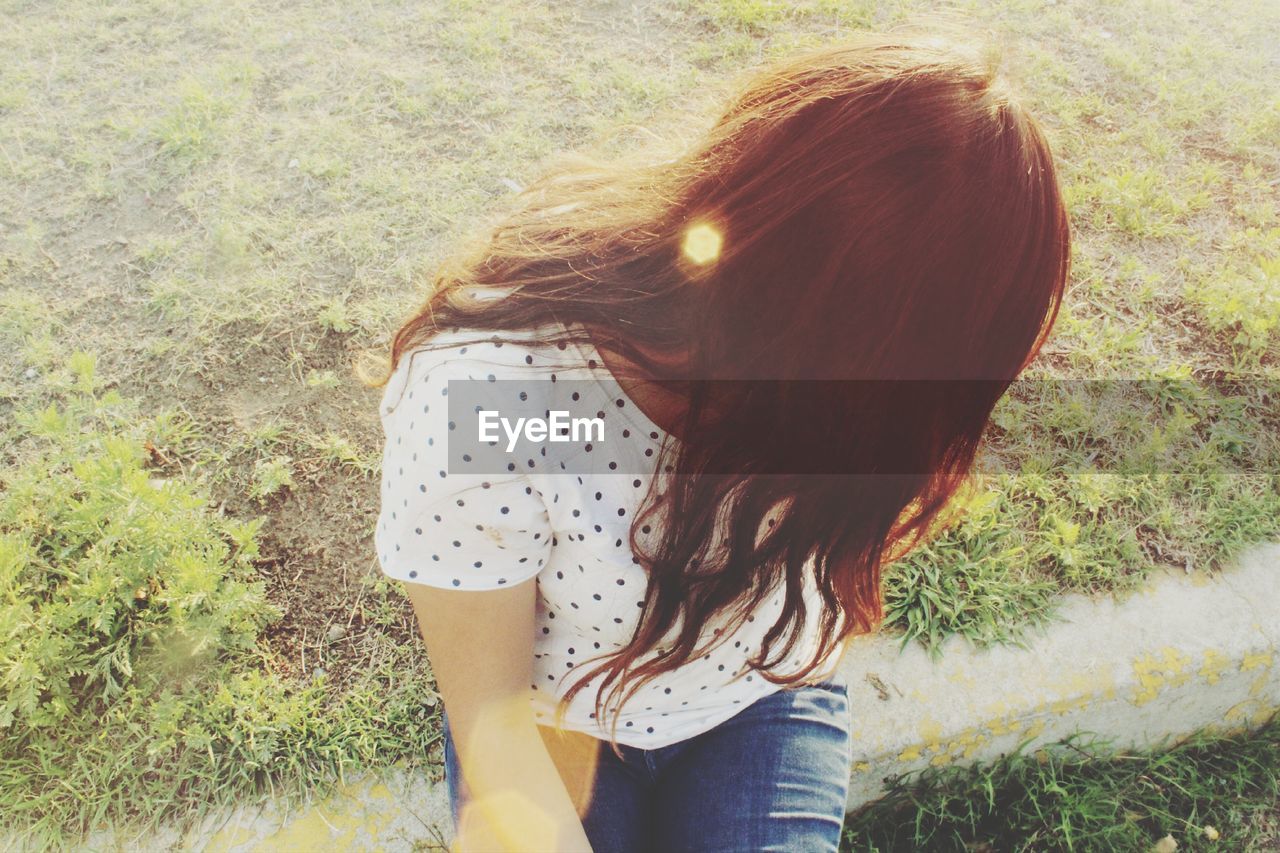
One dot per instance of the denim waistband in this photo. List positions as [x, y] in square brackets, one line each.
[647, 762]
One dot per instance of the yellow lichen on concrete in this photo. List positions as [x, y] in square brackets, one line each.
[1072, 687]
[224, 840]
[1008, 724]
[1226, 730]
[929, 730]
[1249, 712]
[1068, 706]
[972, 749]
[1176, 664]
[1255, 660]
[1087, 682]
[1261, 661]
[1260, 684]
[933, 748]
[967, 744]
[998, 708]
[1215, 664]
[1088, 686]
[353, 817]
[998, 726]
[380, 805]
[942, 753]
[313, 831]
[1154, 673]
[379, 791]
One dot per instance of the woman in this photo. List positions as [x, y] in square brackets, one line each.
[877, 215]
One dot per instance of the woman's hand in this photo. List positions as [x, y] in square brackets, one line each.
[508, 821]
[480, 644]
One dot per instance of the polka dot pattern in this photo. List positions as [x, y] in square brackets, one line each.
[569, 531]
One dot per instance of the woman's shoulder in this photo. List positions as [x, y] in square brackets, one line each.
[478, 354]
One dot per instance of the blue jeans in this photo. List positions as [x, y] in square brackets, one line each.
[775, 776]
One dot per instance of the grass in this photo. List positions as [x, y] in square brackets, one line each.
[133, 681]
[1206, 793]
[219, 207]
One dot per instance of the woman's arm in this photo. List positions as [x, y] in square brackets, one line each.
[480, 644]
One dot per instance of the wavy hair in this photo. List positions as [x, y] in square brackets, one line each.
[882, 215]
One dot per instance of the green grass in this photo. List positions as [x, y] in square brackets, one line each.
[220, 206]
[132, 681]
[1208, 793]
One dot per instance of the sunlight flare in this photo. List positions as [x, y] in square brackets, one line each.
[702, 244]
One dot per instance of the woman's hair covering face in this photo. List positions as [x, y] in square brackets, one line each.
[883, 216]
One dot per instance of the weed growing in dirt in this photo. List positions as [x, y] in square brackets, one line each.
[131, 677]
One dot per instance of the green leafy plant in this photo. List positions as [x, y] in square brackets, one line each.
[123, 595]
[270, 476]
[335, 317]
[1243, 300]
[322, 379]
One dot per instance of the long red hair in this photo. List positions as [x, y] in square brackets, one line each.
[882, 215]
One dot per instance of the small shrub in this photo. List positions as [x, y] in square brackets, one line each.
[270, 476]
[322, 379]
[335, 317]
[123, 599]
[1242, 301]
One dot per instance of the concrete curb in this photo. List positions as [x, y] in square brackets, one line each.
[394, 811]
[1188, 651]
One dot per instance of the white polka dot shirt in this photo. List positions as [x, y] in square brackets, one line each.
[477, 531]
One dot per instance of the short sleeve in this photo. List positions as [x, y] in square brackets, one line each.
[443, 528]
